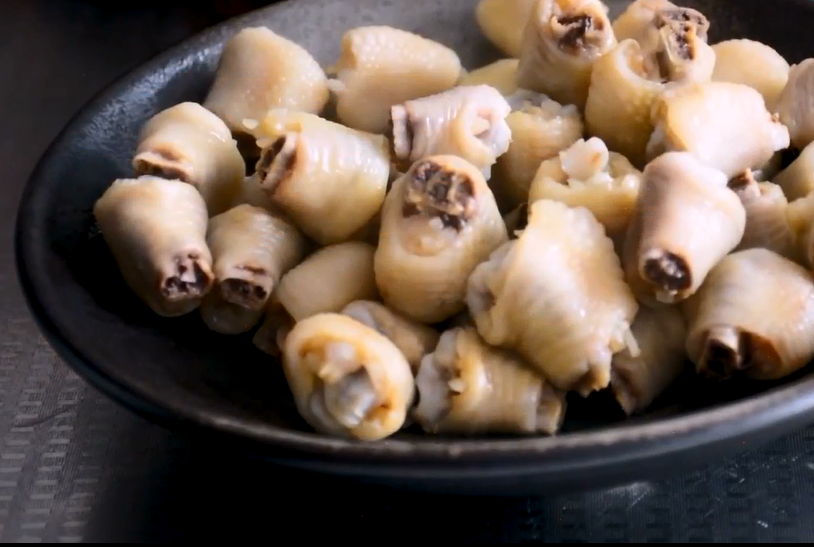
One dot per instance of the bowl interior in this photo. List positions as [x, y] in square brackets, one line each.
[224, 381]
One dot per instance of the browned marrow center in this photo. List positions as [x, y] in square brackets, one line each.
[435, 191]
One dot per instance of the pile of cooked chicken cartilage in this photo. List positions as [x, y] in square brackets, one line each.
[457, 251]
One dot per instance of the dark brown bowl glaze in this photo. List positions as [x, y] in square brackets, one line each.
[176, 373]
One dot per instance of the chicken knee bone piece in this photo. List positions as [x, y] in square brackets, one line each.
[189, 143]
[347, 379]
[628, 80]
[686, 220]
[557, 296]
[754, 316]
[260, 70]
[156, 230]
[660, 336]
[328, 179]
[724, 125]
[252, 249]
[561, 42]
[381, 66]
[467, 121]
[439, 222]
[466, 386]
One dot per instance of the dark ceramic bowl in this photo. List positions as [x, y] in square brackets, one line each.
[178, 374]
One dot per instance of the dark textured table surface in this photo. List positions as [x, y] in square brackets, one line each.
[75, 467]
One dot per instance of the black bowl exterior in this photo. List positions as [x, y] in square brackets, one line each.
[174, 372]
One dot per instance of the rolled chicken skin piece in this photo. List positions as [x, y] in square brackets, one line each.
[561, 42]
[252, 250]
[725, 125]
[620, 100]
[588, 175]
[795, 103]
[639, 16]
[260, 70]
[626, 83]
[381, 66]
[156, 230]
[557, 296]
[469, 122]
[686, 220]
[767, 223]
[413, 339]
[661, 337]
[328, 179]
[502, 23]
[541, 129]
[754, 64]
[677, 48]
[329, 280]
[467, 387]
[754, 316]
[187, 142]
[347, 379]
[439, 222]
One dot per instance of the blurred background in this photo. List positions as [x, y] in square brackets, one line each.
[205, 8]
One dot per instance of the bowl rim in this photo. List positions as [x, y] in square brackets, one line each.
[774, 412]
